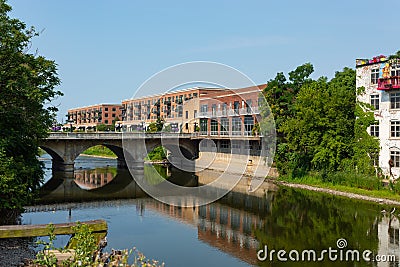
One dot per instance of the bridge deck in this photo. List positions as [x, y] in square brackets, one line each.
[138, 135]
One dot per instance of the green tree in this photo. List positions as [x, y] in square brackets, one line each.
[280, 95]
[156, 126]
[27, 83]
[324, 134]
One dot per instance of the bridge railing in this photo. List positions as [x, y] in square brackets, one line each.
[115, 135]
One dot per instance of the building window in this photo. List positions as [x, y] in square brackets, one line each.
[224, 144]
[236, 126]
[395, 70]
[248, 106]
[374, 76]
[224, 126]
[106, 121]
[187, 114]
[248, 125]
[235, 144]
[214, 127]
[224, 108]
[105, 109]
[374, 130]
[375, 102]
[106, 115]
[113, 115]
[395, 100]
[213, 110]
[113, 109]
[203, 126]
[236, 107]
[180, 111]
[395, 157]
[195, 113]
[395, 128]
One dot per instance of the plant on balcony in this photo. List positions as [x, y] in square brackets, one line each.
[256, 129]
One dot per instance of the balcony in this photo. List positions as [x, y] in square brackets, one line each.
[233, 112]
[203, 114]
[389, 83]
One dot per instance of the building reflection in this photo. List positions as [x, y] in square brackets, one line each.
[389, 236]
[94, 178]
[221, 225]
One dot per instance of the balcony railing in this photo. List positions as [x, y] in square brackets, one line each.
[389, 83]
[229, 112]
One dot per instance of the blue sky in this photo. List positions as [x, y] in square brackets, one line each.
[106, 49]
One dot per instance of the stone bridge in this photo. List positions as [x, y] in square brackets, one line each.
[130, 148]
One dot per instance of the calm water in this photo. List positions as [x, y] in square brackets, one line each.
[226, 233]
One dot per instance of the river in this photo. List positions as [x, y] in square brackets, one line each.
[228, 232]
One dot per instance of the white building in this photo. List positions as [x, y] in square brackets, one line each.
[381, 79]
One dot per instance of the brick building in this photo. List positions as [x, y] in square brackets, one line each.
[230, 112]
[87, 118]
[178, 108]
[213, 111]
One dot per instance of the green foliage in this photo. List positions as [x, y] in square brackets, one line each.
[85, 244]
[281, 94]
[86, 252]
[156, 126]
[155, 174]
[44, 257]
[156, 154]
[105, 127]
[99, 150]
[318, 129]
[27, 83]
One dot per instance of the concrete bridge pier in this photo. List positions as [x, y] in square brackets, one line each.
[136, 167]
[63, 166]
[121, 163]
[182, 163]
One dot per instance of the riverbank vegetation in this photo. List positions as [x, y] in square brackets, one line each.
[86, 252]
[100, 151]
[322, 130]
[361, 186]
[27, 83]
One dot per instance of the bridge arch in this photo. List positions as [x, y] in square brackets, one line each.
[55, 155]
[188, 150]
[66, 147]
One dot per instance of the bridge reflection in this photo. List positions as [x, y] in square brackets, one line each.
[107, 183]
[94, 178]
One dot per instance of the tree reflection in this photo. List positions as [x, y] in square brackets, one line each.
[304, 220]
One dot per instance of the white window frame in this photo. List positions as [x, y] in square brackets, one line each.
[374, 100]
[374, 130]
[395, 157]
[395, 100]
[374, 76]
[395, 129]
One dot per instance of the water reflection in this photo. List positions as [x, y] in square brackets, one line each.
[239, 224]
[94, 178]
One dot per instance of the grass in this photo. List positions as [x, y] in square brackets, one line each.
[348, 186]
[99, 151]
